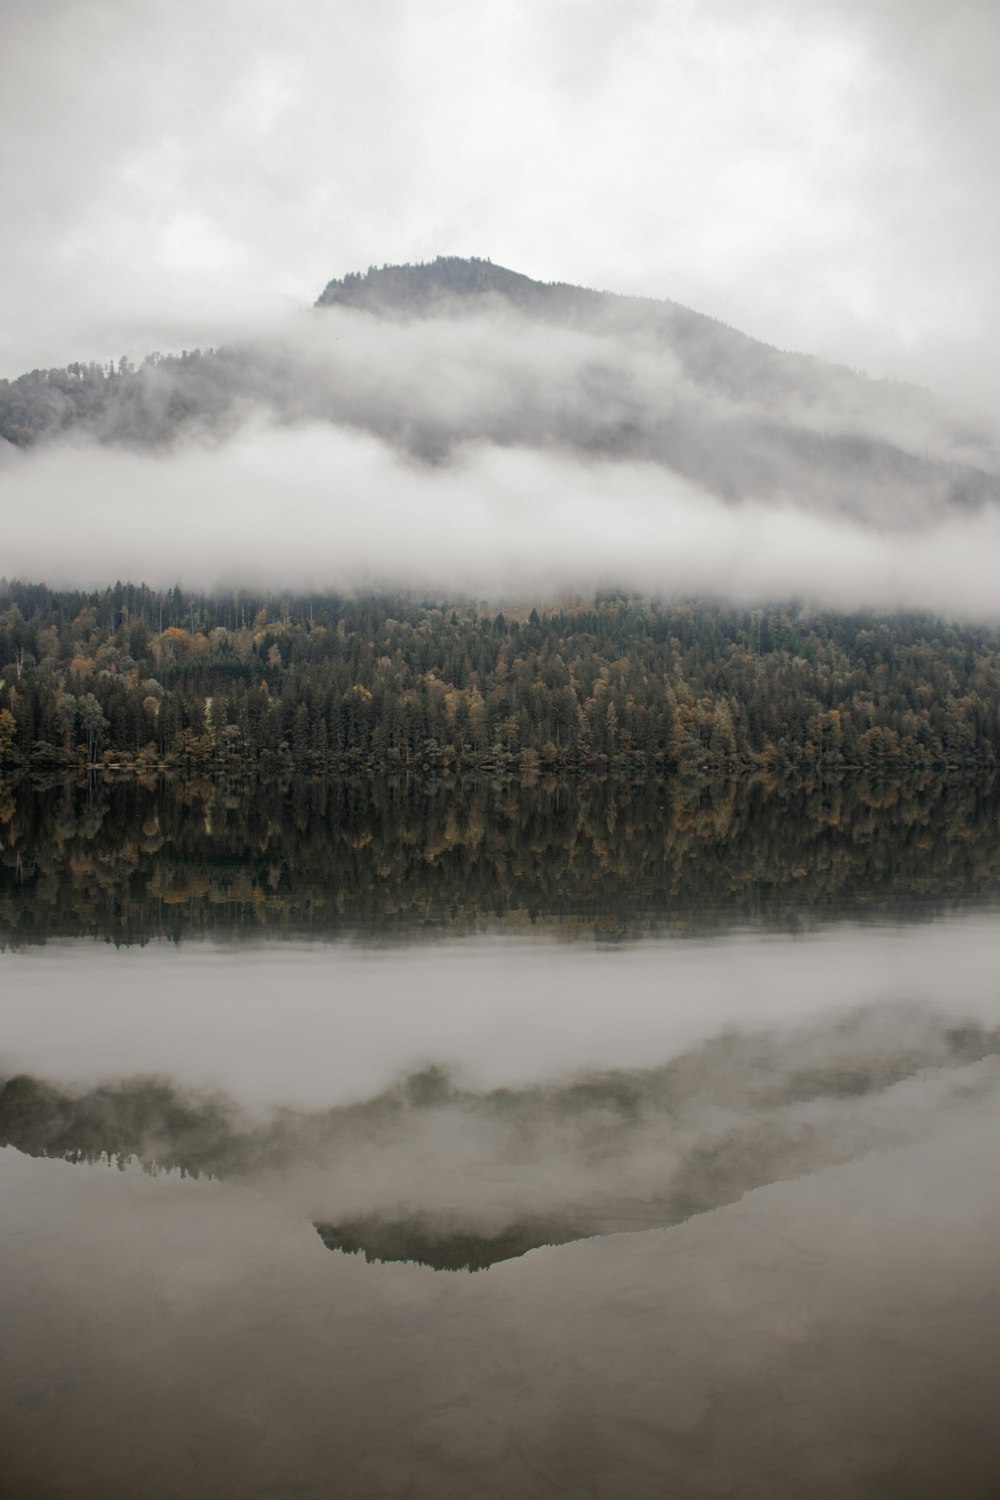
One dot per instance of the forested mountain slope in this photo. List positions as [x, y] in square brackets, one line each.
[431, 359]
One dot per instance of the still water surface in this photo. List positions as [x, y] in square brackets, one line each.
[504, 1215]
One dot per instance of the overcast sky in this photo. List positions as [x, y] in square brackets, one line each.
[821, 173]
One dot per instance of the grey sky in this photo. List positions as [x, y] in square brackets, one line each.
[820, 174]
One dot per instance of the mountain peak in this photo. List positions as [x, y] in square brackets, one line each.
[396, 288]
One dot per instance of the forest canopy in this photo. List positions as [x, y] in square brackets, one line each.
[329, 682]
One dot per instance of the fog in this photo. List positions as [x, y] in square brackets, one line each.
[506, 457]
[312, 507]
[497, 1087]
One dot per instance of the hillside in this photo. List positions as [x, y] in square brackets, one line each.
[432, 358]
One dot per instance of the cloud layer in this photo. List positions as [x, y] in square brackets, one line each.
[510, 457]
[314, 506]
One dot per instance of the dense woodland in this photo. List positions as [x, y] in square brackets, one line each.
[239, 683]
[120, 402]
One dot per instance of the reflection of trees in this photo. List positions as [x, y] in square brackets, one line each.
[144, 1118]
[126, 862]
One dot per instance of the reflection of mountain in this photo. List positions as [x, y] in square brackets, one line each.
[464, 351]
[428, 1242]
[404, 859]
[459, 1178]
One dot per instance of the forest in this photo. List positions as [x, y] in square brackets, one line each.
[135, 680]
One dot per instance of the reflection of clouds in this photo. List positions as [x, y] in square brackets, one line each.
[608, 1150]
[499, 1014]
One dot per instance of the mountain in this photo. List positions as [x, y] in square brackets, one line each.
[425, 287]
[433, 358]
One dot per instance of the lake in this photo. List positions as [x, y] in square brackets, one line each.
[492, 1141]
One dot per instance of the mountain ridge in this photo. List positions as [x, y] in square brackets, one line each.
[429, 287]
[448, 280]
[458, 351]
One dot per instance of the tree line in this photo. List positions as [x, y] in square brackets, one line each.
[330, 683]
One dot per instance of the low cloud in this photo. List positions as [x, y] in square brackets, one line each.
[317, 506]
[597, 442]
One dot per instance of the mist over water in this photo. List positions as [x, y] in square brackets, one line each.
[495, 1013]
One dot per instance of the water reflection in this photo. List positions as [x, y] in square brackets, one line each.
[424, 1241]
[826, 1335]
[726, 1198]
[128, 863]
[310, 1025]
[453, 1177]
